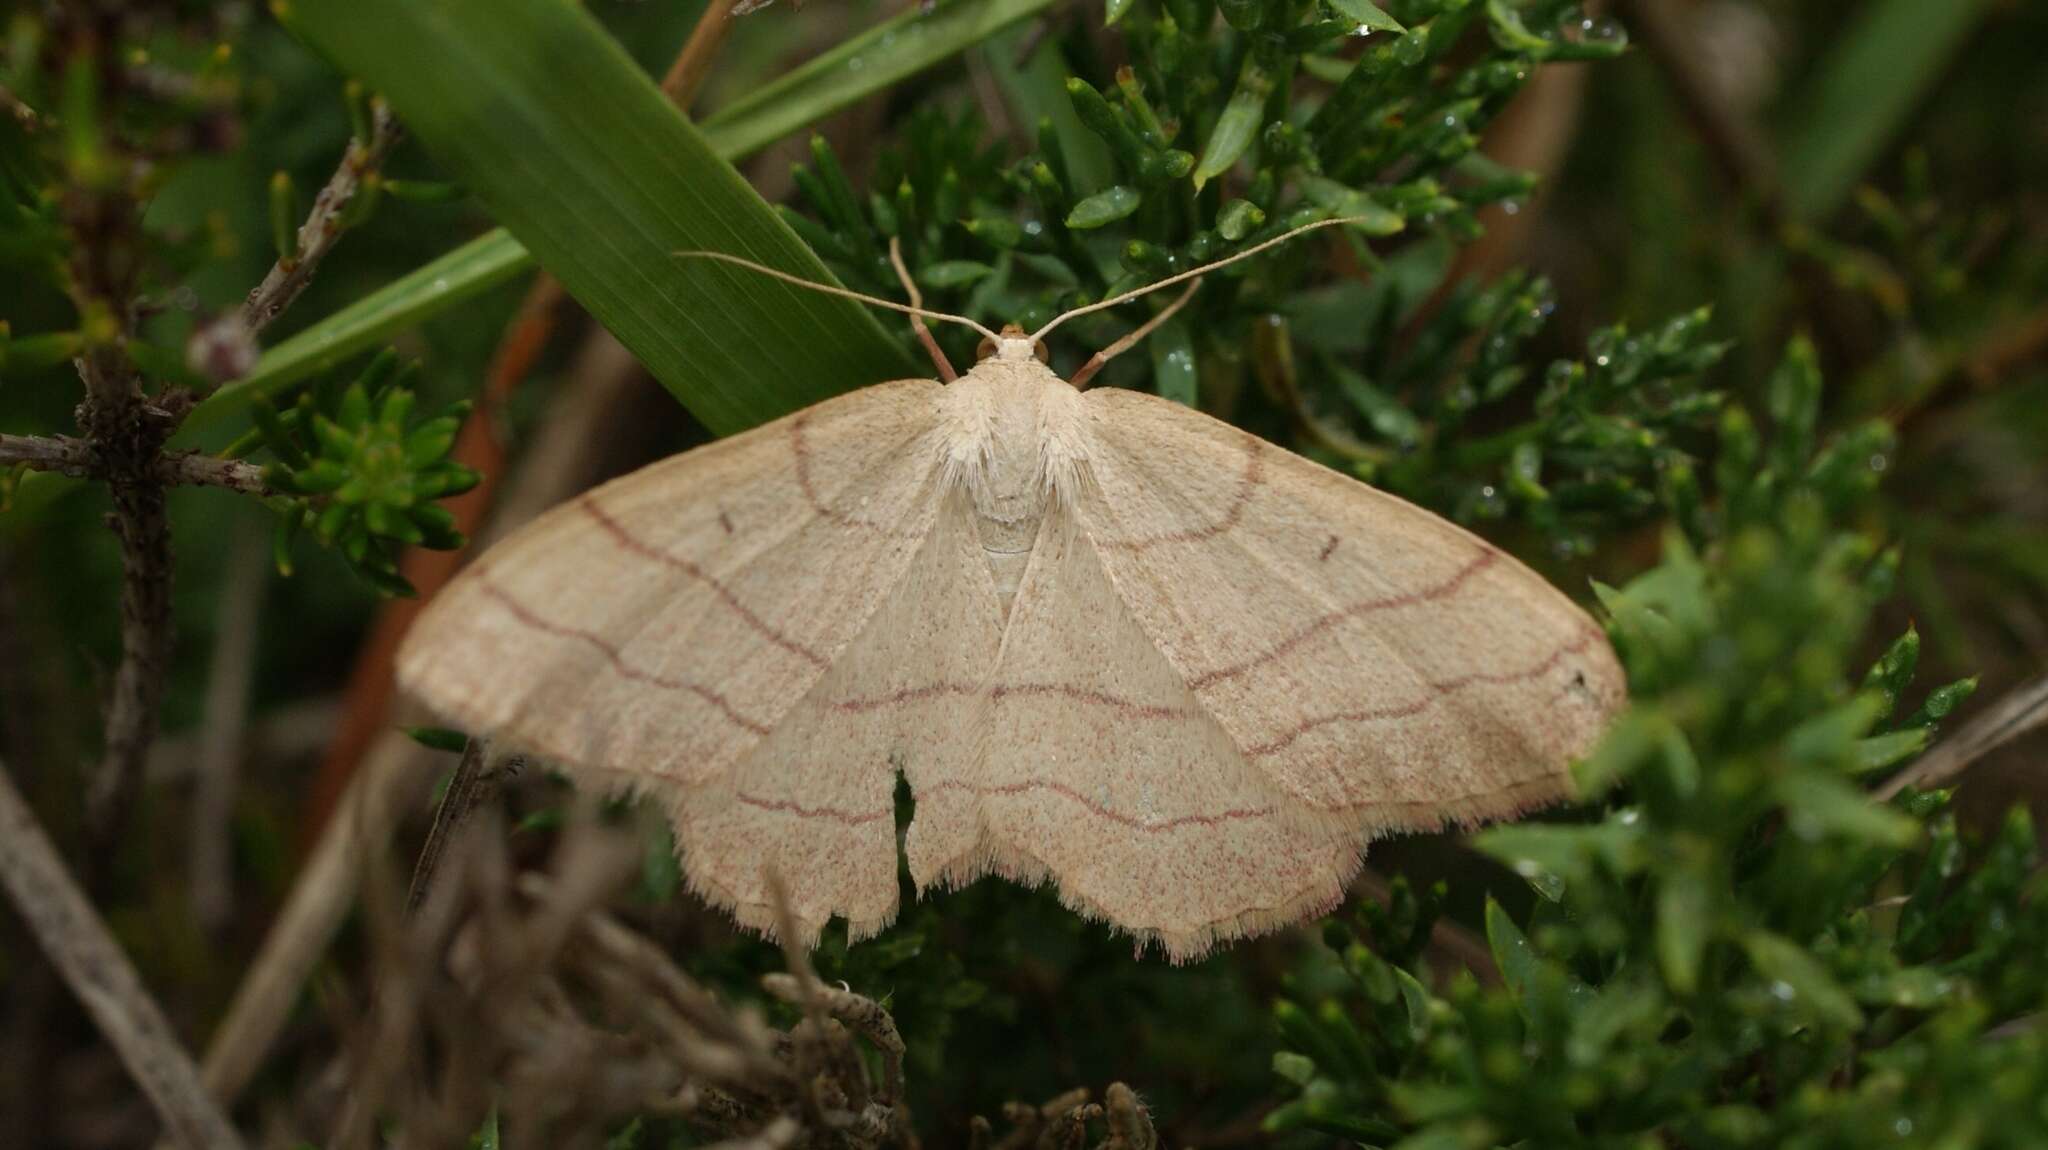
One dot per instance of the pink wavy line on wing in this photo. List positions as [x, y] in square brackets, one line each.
[1088, 695]
[1437, 690]
[632, 543]
[528, 617]
[785, 806]
[1443, 590]
[1124, 706]
[800, 448]
[1065, 791]
[906, 695]
[853, 818]
[1254, 475]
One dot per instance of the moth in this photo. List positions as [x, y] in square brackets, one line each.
[1107, 640]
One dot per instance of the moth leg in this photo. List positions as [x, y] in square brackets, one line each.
[1125, 344]
[924, 334]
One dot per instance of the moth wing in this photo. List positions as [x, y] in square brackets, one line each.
[1376, 662]
[1102, 771]
[662, 625]
[814, 800]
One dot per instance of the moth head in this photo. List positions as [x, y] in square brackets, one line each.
[1013, 344]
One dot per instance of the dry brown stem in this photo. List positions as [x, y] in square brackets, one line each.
[68, 455]
[395, 775]
[229, 681]
[524, 989]
[1062, 1124]
[77, 942]
[126, 434]
[466, 789]
[324, 224]
[2020, 710]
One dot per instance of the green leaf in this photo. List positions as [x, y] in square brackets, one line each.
[1368, 214]
[1634, 740]
[1367, 16]
[869, 62]
[1875, 74]
[1940, 702]
[1799, 980]
[1555, 858]
[1914, 988]
[1036, 87]
[1828, 736]
[952, 273]
[1174, 374]
[1238, 218]
[1390, 419]
[1629, 1003]
[530, 105]
[1817, 804]
[1600, 39]
[1893, 672]
[1415, 1000]
[1104, 207]
[1684, 919]
[1524, 970]
[1238, 125]
[887, 53]
[1296, 1068]
[1881, 751]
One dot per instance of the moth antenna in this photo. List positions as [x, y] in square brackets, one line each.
[924, 334]
[830, 289]
[1192, 273]
[1125, 344]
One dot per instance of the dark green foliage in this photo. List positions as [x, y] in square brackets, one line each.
[1740, 947]
[1441, 414]
[1602, 445]
[1197, 168]
[363, 473]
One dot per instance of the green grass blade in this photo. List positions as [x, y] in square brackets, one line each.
[547, 121]
[473, 268]
[1861, 95]
[873, 60]
[892, 50]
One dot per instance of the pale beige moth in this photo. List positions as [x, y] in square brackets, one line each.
[1106, 639]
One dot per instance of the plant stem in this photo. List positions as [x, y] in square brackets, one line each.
[69, 455]
[464, 791]
[324, 223]
[78, 943]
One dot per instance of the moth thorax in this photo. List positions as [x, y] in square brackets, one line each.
[1012, 494]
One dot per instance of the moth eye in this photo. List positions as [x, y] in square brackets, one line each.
[1043, 353]
[985, 349]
